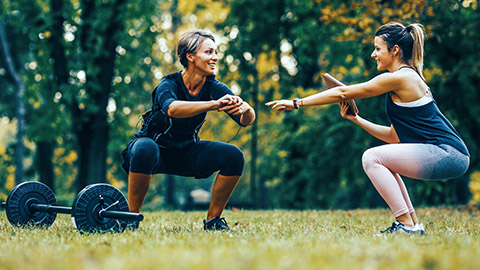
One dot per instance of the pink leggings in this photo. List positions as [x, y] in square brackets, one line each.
[384, 165]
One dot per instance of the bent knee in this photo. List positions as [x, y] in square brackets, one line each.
[145, 147]
[369, 158]
[234, 161]
[144, 156]
[237, 155]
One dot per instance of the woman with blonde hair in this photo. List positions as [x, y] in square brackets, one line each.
[168, 142]
[421, 142]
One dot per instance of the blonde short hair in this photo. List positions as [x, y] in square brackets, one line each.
[190, 43]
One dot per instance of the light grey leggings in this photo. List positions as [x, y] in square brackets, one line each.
[384, 165]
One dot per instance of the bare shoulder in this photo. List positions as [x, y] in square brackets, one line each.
[410, 79]
[391, 81]
[410, 85]
[395, 77]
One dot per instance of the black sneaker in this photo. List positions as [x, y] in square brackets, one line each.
[215, 224]
[130, 225]
[398, 227]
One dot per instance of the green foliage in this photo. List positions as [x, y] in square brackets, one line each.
[453, 47]
[311, 158]
[268, 50]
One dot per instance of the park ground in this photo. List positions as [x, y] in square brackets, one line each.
[272, 239]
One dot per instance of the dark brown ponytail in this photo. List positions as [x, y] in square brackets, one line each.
[409, 39]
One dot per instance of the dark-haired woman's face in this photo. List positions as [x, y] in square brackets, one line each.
[381, 54]
[205, 59]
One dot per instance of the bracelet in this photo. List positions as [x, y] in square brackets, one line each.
[295, 104]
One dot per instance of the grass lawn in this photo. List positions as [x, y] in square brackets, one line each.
[276, 239]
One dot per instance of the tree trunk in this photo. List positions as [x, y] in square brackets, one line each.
[257, 201]
[170, 180]
[20, 106]
[44, 154]
[170, 191]
[43, 161]
[92, 140]
[92, 131]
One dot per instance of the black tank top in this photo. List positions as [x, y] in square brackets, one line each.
[423, 124]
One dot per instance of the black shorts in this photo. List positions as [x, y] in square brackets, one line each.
[200, 159]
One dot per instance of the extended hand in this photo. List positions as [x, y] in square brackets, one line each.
[281, 105]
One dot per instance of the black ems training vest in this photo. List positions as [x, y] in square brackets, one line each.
[174, 133]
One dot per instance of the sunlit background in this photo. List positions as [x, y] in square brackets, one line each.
[88, 73]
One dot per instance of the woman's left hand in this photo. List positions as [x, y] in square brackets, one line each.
[344, 111]
[236, 106]
[281, 105]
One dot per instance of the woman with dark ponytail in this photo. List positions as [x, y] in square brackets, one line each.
[421, 142]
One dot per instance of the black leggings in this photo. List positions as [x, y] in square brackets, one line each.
[199, 160]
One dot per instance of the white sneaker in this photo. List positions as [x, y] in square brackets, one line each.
[420, 228]
[398, 227]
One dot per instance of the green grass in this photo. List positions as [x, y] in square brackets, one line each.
[261, 240]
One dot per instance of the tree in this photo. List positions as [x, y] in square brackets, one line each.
[305, 165]
[20, 107]
[250, 48]
[89, 68]
[71, 50]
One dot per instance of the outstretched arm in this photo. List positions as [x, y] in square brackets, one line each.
[381, 84]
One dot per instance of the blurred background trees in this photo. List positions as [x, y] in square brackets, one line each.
[88, 68]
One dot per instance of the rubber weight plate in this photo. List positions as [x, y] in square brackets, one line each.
[22, 197]
[88, 203]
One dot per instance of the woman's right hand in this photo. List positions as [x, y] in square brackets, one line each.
[281, 105]
[343, 111]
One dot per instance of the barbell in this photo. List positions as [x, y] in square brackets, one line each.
[97, 208]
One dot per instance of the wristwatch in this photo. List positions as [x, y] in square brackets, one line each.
[295, 104]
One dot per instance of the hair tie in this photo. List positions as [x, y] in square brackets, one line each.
[409, 28]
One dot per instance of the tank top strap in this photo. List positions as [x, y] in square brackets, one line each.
[413, 70]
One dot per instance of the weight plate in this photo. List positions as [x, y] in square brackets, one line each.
[88, 203]
[22, 197]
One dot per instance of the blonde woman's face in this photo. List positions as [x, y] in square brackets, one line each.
[381, 54]
[205, 59]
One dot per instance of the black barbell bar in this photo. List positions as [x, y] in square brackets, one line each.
[50, 208]
[101, 213]
[120, 215]
[105, 213]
